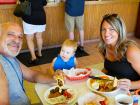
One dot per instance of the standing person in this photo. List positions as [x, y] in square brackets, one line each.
[33, 26]
[122, 56]
[74, 15]
[12, 72]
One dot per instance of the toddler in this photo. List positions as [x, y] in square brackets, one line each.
[66, 59]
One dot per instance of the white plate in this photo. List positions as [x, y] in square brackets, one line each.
[90, 97]
[114, 92]
[52, 102]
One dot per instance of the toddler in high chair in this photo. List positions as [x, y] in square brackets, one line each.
[66, 59]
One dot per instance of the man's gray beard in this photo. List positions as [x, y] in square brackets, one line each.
[9, 53]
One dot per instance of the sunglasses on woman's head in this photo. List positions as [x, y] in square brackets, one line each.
[110, 15]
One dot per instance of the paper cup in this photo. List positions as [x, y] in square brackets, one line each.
[123, 99]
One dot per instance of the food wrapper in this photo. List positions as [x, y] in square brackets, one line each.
[77, 74]
[57, 100]
[60, 80]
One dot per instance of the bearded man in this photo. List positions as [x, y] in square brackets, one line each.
[12, 71]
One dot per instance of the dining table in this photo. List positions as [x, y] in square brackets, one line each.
[80, 86]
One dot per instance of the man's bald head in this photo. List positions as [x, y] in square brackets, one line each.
[10, 38]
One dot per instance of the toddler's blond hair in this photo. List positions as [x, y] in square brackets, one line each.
[70, 43]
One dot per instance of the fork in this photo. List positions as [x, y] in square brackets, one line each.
[115, 82]
[99, 78]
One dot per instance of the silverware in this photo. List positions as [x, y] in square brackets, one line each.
[99, 78]
[115, 82]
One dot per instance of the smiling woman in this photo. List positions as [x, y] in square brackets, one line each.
[121, 55]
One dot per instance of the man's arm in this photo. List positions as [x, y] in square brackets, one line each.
[4, 97]
[35, 76]
[52, 71]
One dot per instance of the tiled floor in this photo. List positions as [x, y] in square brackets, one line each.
[93, 58]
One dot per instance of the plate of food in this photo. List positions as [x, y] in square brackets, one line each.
[93, 99]
[77, 73]
[57, 95]
[103, 84]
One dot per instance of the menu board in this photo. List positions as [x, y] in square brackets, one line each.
[7, 2]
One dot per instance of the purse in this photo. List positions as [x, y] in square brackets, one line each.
[23, 8]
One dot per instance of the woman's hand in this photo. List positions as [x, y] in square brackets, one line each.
[124, 84]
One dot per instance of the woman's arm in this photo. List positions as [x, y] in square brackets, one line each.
[4, 97]
[133, 57]
[127, 84]
[135, 84]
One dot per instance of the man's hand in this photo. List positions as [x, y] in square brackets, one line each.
[59, 74]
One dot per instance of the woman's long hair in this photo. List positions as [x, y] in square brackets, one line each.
[122, 44]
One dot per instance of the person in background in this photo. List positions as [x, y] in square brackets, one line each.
[122, 56]
[33, 26]
[12, 71]
[74, 15]
[66, 59]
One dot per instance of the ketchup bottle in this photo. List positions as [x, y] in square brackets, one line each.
[135, 100]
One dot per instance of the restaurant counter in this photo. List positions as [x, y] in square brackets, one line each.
[56, 32]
